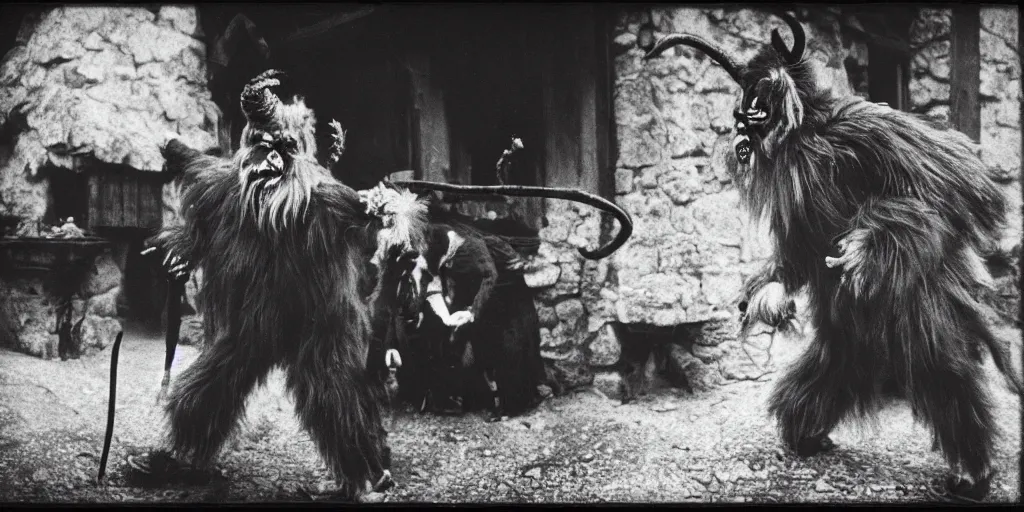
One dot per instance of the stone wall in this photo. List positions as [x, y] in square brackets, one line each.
[31, 310]
[101, 83]
[1000, 117]
[691, 246]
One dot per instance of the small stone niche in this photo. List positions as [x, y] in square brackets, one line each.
[68, 296]
[695, 357]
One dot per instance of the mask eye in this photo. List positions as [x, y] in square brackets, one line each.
[755, 113]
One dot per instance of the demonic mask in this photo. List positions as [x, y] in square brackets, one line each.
[770, 106]
[277, 165]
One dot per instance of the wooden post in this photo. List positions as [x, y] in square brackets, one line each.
[572, 115]
[605, 84]
[965, 70]
[430, 131]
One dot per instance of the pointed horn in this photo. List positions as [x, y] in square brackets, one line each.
[711, 50]
[799, 40]
[625, 222]
[259, 103]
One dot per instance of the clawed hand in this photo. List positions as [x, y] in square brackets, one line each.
[852, 248]
[177, 267]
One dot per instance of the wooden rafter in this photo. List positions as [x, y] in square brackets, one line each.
[330, 23]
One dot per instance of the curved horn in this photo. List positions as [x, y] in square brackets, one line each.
[711, 50]
[259, 103]
[799, 40]
[625, 222]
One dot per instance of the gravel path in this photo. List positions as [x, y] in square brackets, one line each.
[582, 447]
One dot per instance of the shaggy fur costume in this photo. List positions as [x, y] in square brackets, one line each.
[284, 250]
[880, 215]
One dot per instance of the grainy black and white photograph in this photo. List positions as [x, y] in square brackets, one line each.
[480, 253]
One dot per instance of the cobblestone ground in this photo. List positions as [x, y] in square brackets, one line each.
[582, 447]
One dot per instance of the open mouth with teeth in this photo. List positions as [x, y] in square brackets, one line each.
[266, 175]
[742, 148]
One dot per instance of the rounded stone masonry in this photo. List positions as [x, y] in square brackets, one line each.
[108, 82]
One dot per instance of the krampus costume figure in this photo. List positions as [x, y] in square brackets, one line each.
[297, 269]
[908, 205]
[284, 250]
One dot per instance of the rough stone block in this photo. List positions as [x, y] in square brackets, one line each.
[548, 317]
[706, 354]
[721, 289]
[684, 369]
[98, 332]
[106, 277]
[180, 18]
[543, 276]
[191, 331]
[623, 181]
[571, 371]
[104, 304]
[716, 331]
[571, 312]
[609, 383]
[605, 346]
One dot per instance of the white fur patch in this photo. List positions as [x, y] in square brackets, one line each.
[454, 242]
[403, 215]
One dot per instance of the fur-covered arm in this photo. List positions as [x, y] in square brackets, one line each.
[185, 163]
[892, 246]
[175, 247]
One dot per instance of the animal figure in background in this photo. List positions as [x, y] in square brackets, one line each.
[295, 268]
[477, 334]
[471, 328]
[881, 215]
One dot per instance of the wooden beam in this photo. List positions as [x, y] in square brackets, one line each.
[328, 24]
[965, 70]
[890, 44]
